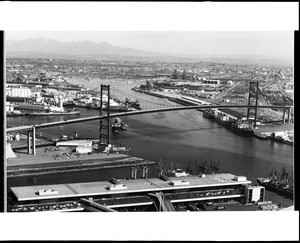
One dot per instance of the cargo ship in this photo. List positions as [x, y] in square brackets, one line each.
[54, 113]
[133, 103]
[117, 108]
[209, 114]
[14, 113]
[242, 128]
[278, 183]
[69, 103]
[284, 190]
[224, 121]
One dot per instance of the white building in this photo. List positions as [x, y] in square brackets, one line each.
[20, 91]
[254, 194]
[9, 107]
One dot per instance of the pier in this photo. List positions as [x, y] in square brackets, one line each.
[152, 193]
[51, 159]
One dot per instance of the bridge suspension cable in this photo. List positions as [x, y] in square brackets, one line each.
[145, 104]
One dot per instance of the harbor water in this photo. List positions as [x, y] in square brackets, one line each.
[183, 138]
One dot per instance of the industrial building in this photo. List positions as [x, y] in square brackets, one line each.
[148, 193]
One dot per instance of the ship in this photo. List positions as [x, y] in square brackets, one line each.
[69, 103]
[118, 125]
[224, 121]
[133, 103]
[261, 135]
[178, 173]
[116, 149]
[14, 113]
[242, 128]
[278, 183]
[54, 113]
[209, 114]
[117, 108]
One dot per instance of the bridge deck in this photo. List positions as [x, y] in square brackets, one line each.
[131, 113]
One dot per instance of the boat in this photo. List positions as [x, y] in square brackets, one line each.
[118, 125]
[178, 173]
[116, 149]
[277, 183]
[54, 113]
[69, 103]
[223, 121]
[261, 135]
[118, 108]
[133, 103]
[279, 188]
[209, 114]
[14, 113]
[243, 128]
[80, 104]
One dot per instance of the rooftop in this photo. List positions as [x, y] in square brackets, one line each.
[138, 185]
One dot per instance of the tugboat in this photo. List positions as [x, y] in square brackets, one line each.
[278, 183]
[118, 125]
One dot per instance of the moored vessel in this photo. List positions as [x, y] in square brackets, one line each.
[278, 183]
[54, 113]
[178, 173]
[209, 114]
[133, 103]
[243, 128]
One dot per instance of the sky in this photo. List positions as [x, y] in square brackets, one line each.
[275, 44]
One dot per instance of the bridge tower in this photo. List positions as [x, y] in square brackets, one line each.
[253, 98]
[104, 123]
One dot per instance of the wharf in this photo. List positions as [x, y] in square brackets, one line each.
[268, 128]
[55, 160]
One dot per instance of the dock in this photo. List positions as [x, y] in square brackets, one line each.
[147, 194]
[51, 159]
[134, 186]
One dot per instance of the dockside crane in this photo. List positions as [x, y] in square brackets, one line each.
[188, 169]
[215, 167]
[202, 167]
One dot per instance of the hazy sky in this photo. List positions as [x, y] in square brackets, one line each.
[263, 43]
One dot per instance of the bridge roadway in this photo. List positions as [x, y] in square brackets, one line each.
[131, 113]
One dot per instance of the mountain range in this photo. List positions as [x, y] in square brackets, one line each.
[49, 48]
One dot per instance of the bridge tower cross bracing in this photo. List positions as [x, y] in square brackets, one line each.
[104, 123]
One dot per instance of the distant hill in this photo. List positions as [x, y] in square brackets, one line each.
[49, 48]
[44, 45]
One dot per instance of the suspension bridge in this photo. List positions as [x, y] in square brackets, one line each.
[147, 107]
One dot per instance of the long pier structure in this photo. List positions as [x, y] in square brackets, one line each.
[141, 192]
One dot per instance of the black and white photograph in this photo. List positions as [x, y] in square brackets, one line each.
[149, 122]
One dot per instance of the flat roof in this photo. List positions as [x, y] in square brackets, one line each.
[99, 188]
